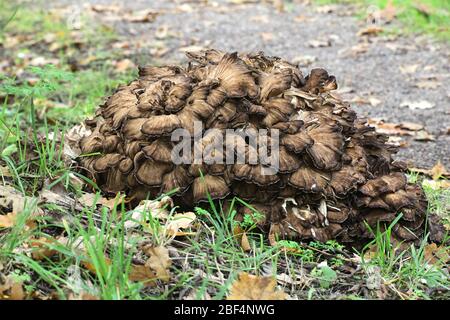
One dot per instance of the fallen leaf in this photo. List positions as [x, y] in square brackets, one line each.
[408, 69]
[421, 105]
[250, 287]
[124, 65]
[319, 43]
[158, 209]
[400, 48]
[267, 36]
[389, 12]
[11, 198]
[424, 135]
[91, 199]
[142, 16]
[411, 126]
[8, 220]
[260, 19]
[245, 244]
[370, 31]
[304, 61]
[12, 290]
[142, 273]
[105, 8]
[180, 221]
[374, 279]
[357, 50]
[428, 84]
[159, 261]
[374, 101]
[191, 49]
[428, 172]
[40, 248]
[4, 172]
[434, 254]
[72, 138]
[279, 5]
[327, 8]
[438, 171]
[400, 129]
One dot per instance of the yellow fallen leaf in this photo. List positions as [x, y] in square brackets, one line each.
[8, 220]
[180, 221]
[142, 273]
[12, 290]
[245, 244]
[41, 248]
[159, 261]
[250, 287]
[438, 170]
[434, 253]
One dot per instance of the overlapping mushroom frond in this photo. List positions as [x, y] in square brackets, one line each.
[335, 173]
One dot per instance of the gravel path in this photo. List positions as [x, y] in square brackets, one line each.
[384, 68]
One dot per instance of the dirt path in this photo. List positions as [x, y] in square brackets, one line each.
[378, 73]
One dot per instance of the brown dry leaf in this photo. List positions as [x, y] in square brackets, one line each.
[158, 209]
[159, 261]
[279, 5]
[411, 126]
[370, 31]
[260, 19]
[389, 12]
[89, 199]
[124, 65]
[245, 244]
[319, 43]
[374, 101]
[421, 105]
[192, 48]
[142, 16]
[242, 238]
[11, 198]
[428, 172]
[4, 172]
[428, 84]
[438, 171]
[304, 61]
[82, 296]
[143, 274]
[424, 135]
[250, 287]
[327, 9]
[180, 221]
[434, 253]
[41, 249]
[98, 8]
[12, 290]
[8, 220]
[399, 129]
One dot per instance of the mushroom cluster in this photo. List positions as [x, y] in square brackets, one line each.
[335, 173]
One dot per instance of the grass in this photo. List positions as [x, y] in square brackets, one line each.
[71, 253]
[435, 22]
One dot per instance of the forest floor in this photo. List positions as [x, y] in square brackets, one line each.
[60, 58]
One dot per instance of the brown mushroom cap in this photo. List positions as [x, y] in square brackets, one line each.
[335, 173]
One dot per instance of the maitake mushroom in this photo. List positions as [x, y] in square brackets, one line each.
[335, 173]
